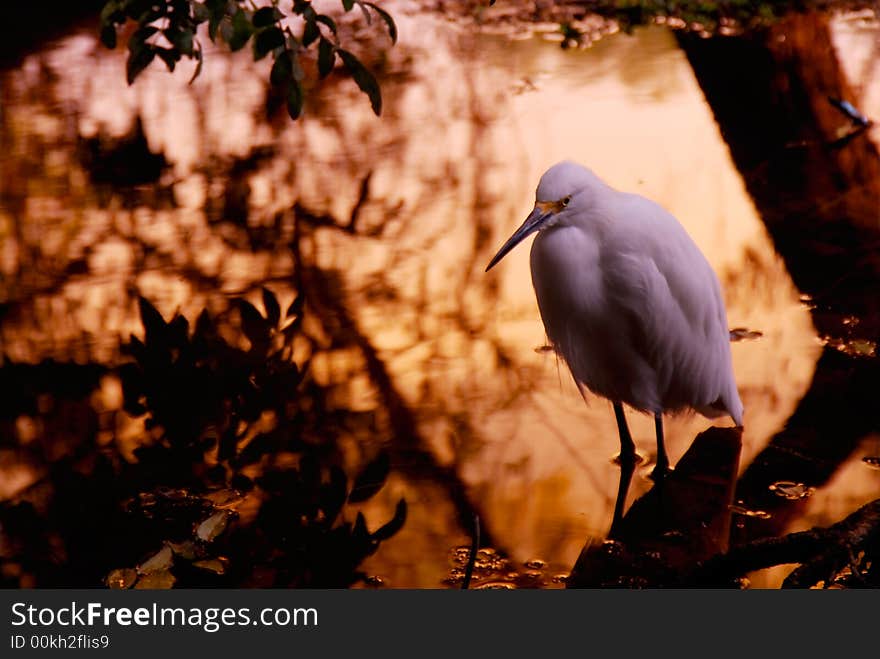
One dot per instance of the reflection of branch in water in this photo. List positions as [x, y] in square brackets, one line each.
[325, 294]
[819, 201]
[824, 554]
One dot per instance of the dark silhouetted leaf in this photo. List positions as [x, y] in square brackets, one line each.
[204, 325]
[310, 31]
[139, 37]
[282, 69]
[199, 61]
[266, 41]
[181, 39]
[394, 524]
[347, 4]
[266, 16]
[292, 329]
[385, 16]
[326, 20]
[108, 36]
[326, 60]
[169, 56]
[359, 532]
[371, 479]
[255, 327]
[294, 99]
[217, 9]
[201, 13]
[155, 329]
[333, 494]
[138, 60]
[364, 79]
[178, 331]
[273, 310]
[242, 29]
[296, 306]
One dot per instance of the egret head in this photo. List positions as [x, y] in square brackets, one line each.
[561, 191]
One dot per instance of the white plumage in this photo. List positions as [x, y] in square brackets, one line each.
[628, 300]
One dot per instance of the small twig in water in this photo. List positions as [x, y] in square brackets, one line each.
[472, 559]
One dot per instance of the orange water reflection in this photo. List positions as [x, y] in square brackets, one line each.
[470, 123]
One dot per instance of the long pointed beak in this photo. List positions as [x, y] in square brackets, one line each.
[533, 223]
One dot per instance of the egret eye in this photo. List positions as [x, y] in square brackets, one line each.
[566, 201]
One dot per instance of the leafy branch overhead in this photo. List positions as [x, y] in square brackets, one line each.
[169, 30]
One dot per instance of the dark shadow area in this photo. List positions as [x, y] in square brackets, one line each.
[233, 476]
[814, 175]
[28, 25]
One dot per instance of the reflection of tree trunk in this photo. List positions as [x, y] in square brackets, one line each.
[826, 427]
[817, 194]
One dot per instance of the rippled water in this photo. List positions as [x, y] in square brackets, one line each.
[471, 120]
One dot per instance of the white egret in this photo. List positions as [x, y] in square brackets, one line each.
[628, 301]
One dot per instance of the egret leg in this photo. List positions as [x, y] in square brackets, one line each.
[627, 445]
[662, 467]
[626, 471]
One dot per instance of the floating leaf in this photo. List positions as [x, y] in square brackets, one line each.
[394, 524]
[213, 526]
[163, 579]
[186, 549]
[215, 565]
[122, 578]
[364, 79]
[225, 498]
[371, 479]
[161, 560]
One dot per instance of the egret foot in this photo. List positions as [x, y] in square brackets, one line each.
[627, 459]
